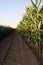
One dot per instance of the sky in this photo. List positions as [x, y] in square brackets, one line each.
[11, 11]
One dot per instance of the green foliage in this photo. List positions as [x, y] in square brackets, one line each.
[5, 31]
[31, 27]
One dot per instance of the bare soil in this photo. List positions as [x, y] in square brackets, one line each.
[14, 51]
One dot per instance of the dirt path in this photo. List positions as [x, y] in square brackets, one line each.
[14, 51]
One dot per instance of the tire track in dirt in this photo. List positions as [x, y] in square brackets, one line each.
[4, 47]
[8, 49]
[27, 56]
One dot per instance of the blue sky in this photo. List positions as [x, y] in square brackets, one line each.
[11, 11]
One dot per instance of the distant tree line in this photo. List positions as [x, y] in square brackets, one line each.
[5, 31]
